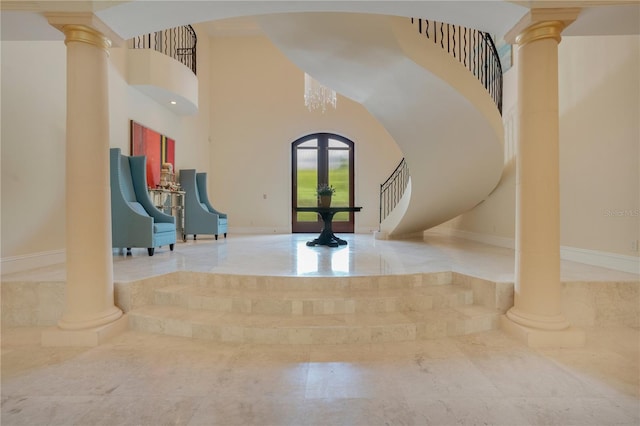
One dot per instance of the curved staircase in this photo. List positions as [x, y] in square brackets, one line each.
[441, 116]
[318, 310]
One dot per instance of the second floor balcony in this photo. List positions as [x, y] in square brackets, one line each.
[162, 65]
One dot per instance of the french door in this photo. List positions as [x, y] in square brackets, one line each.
[321, 158]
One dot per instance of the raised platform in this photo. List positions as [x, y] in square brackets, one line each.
[276, 289]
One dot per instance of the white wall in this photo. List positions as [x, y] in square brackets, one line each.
[127, 103]
[194, 148]
[599, 101]
[33, 147]
[250, 110]
[600, 139]
[257, 112]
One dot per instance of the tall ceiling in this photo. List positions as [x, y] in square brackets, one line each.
[24, 19]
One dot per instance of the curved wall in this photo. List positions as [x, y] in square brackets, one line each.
[163, 79]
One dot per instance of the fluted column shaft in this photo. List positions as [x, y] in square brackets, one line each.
[89, 289]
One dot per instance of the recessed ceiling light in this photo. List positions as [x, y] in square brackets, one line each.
[173, 102]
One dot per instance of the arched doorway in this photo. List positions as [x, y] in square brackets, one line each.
[321, 158]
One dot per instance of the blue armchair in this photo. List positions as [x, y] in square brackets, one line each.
[135, 221]
[199, 215]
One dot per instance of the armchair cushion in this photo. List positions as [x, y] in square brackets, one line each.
[159, 227]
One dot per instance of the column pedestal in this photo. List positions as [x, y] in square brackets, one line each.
[570, 337]
[92, 336]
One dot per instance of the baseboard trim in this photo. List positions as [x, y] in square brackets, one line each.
[264, 230]
[364, 230]
[258, 231]
[12, 264]
[492, 240]
[618, 262]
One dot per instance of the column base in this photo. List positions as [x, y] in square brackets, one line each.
[90, 337]
[570, 337]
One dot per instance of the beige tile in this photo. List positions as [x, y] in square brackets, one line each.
[487, 378]
[217, 377]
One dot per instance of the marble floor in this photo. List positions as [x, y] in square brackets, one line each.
[482, 379]
[288, 255]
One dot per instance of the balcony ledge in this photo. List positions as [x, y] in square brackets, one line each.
[164, 80]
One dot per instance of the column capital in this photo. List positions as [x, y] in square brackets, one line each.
[84, 34]
[87, 20]
[540, 24]
[540, 31]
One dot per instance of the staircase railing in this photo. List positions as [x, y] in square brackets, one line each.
[178, 43]
[393, 188]
[477, 52]
[474, 49]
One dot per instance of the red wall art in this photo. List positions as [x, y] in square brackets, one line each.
[158, 149]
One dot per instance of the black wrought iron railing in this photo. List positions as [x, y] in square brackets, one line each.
[393, 188]
[477, 52]
[178, 43]
[472, 48]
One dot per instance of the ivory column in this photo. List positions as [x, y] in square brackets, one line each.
[90, 314]
[536, 316]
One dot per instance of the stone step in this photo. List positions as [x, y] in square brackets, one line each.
[313, 329]
[314, 283]
[313, 302]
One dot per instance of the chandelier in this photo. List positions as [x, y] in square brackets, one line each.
[317, 96]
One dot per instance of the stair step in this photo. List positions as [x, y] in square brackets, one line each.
[313, 302]
[312, 329]
[298, 283]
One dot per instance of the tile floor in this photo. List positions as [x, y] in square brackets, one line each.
[483, 379]
[486, 378]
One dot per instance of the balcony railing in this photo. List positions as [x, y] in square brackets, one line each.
[178, 43]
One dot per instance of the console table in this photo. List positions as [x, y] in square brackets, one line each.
[326, 237]
[171, 203]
